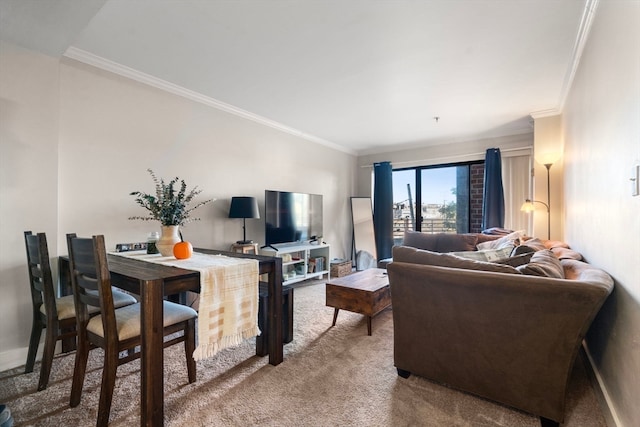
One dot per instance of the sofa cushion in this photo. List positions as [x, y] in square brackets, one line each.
[440, 242]
[419, 256]
[521, 250]
[489, 255]
[456, 242]
[516, 260]
[534, 243]
[543, 263]
[551, 244]
[565, 253]
[486, 237]
[496, 231]
[511, 240]
[419, 240]
[579, 270]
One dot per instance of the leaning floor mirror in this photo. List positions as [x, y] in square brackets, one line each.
[364, 242]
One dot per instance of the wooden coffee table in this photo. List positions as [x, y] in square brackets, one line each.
[365, 292]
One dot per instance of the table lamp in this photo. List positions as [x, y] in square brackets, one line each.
[244, 207]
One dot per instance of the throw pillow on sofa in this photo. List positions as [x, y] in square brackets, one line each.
[488, 255]
[419, 256]
[565, 253]
[522, 249]
[534, 243]
[543, 263]
[509, 241]
[516, 260]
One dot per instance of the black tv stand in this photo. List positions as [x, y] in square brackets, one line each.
[269, 246]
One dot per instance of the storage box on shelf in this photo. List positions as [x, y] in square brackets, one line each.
[300, 261]
[340, 267]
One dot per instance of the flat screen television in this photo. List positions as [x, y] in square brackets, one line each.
[292, 217]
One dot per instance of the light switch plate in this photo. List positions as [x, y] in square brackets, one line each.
[635, 180]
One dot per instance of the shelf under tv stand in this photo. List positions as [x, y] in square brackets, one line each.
[303, 257]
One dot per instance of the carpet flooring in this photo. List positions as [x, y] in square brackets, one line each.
[331, 376]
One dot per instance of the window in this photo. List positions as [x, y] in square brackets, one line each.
[447, 197]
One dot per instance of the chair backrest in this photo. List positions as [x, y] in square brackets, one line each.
[91, 280]
[40, 278]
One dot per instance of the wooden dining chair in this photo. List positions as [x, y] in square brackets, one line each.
[114, 330]
[56, 315]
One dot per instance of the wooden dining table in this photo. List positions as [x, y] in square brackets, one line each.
[152, 282]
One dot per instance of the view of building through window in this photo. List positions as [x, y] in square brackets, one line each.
[442, 194]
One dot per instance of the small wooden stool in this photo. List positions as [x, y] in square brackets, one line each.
[245, 248]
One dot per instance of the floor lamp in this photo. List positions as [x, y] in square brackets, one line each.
[528, 205]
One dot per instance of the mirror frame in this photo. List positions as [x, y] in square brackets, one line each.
[363, 229]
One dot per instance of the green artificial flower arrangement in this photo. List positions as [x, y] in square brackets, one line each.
[168, 206]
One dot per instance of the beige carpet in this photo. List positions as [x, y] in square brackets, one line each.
[330, 377]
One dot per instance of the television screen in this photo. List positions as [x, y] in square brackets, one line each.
[292, 217]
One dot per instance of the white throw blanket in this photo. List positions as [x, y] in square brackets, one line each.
[228, 311]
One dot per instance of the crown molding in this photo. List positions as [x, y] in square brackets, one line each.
[578, 47]
[545, 113]
[581, 40]
[130, 73]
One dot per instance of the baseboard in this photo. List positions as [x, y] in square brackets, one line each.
[16, 357]
[608, 410]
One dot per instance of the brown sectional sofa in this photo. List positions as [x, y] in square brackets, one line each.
[487, 328]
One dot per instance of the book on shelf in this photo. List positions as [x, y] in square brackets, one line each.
[318, 264]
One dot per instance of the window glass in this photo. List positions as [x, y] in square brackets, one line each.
[404, 197]
[438, 202]
[442, 194]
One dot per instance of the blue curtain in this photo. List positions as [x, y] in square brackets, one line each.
[383, 208]
[493, 194]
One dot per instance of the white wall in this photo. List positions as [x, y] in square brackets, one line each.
[548, 148]
[601, 123]
[28, 182]
[111, 129]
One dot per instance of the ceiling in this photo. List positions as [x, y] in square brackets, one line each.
[364, 76]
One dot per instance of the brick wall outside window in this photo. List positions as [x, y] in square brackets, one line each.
[477, 185]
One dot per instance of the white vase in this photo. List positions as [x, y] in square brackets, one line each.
[168, 238]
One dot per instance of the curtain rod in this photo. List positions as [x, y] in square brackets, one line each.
[508, 150]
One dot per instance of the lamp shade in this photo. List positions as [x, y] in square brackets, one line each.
[527, 206]
[244, 207]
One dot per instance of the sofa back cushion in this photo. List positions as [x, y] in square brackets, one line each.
[511, 240]
[442, 242]
[419, 256]
[543, 263]
[578, 270]
[534, 243]
[489, 255]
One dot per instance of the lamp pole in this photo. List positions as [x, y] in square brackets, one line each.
[548, 166]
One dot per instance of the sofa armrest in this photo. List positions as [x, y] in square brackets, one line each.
[509, 338]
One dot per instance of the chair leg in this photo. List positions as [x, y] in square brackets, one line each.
[36, 332]
[108, 384]
[69, 343]
[402, 373]
[47, 357]
[546, 422]
[189, 348]
[79, 370]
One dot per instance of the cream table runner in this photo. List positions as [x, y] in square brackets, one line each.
[228, 311]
